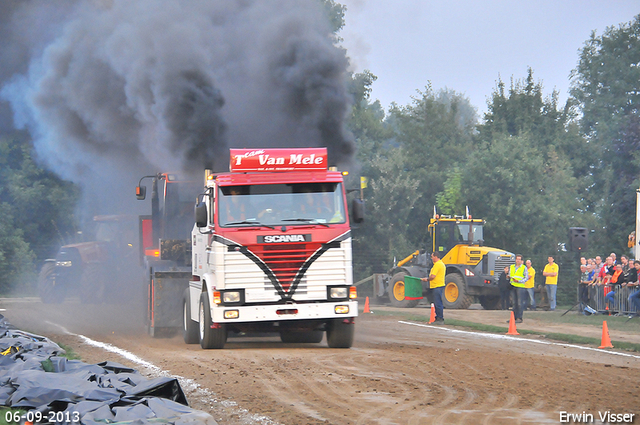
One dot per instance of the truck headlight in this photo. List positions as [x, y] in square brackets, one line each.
[63, 263]
[339, 292]
[231, 297]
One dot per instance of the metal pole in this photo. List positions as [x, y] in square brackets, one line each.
[635, 245]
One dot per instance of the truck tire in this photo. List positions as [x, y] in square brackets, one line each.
[309, 337]
[455, 292]
[189, 327]
[490, 302]
[49, 290]
[340, 333]
[209, 337]
[396, 292]
[93, 284]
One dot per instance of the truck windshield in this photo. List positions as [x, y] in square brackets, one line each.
[462, 233]
[281, 204]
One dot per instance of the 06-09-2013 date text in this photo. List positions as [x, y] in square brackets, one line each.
[35, 417]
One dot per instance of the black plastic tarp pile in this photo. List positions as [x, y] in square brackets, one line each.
[34, 377]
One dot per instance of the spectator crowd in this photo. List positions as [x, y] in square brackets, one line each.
[612, 286]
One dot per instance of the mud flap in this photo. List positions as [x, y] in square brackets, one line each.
[167, 288]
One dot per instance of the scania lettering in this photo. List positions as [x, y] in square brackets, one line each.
[284, 238]
[271, 251]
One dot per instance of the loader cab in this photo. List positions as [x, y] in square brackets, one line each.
[447, 232]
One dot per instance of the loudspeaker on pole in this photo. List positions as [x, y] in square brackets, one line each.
[578, 238]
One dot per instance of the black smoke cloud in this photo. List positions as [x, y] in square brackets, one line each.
[113, 90]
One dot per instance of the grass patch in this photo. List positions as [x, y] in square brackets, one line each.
[618, 323]
[4, 415]
[568, 338]
[70, 353]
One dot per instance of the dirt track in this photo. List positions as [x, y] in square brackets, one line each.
[396, 373]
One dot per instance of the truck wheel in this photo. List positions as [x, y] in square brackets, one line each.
[490, 303]
[49, 290]
[340, 333]
[455, 292]
[312, 337]
[209, 337]
[92, 284]
[189, 327]
[396, 292]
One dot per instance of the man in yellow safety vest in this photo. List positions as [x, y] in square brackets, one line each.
[518, 277]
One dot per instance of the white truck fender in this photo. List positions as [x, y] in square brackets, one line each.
[209, 279]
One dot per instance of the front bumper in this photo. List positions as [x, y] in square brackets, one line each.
[282, 312]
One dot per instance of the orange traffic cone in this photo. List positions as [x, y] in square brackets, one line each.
[512, 326]
[606, 340]
[366, 306]
[433, 314]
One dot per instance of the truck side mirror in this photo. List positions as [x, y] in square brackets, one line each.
[200, 211]
[357, 210]
[141, 192]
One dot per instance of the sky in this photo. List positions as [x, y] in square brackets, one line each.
[467, 45]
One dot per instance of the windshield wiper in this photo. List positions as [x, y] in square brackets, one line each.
[307, 220]
[252, 222]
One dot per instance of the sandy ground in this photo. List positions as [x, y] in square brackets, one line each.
[398, 371]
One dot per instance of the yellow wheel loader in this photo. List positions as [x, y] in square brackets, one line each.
[472, 269]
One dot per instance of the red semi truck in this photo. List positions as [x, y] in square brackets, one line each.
[270, 251]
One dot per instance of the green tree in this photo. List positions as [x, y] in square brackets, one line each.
[606, 87]
[531, 179]
[386, 233]
[526, 110]
[449, 201]
[335, 13]
[435, 135]
[37, 211]
[408, 156]
[16, 258]
[528, 202]
[367, 123]
[367, 119]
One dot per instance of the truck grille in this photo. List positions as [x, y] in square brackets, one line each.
[285, 260]
[333, 267]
